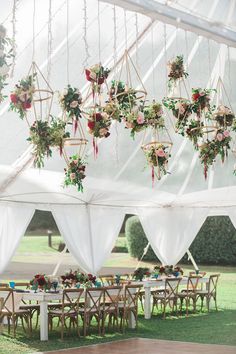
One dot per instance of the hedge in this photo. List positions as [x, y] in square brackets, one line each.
[214, 244]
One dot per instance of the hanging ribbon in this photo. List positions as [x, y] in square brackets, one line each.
[95, 148]
[75, 125]
[153, 176]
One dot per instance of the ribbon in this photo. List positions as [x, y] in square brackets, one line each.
[95, 148]
[75, 125]
[153, 176]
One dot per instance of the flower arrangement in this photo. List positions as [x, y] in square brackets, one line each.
[5, 54]
[219, 146]
[224, 116]
[140, 272]
[40, 137]
[153, 116]
[181, 109]
[22, 96]
[58, 133]
[176, 70]
[41, 281]
[112, 110]
[135, 121]
[97, 74]
[70, 101]
[157, 157]
[75, 172]
[201, 101]
[68, 279]
[125, 96]
[74, 277]
[194, 131]
[168, 270]
[99, 124]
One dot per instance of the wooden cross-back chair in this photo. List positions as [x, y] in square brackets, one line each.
[11, 310]
[210, 292]
[168, 297]
[69, 309]
[93, 307]
[111, 309]
[129, 306]
[190, 293]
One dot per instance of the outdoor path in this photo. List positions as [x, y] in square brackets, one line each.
[148, 346]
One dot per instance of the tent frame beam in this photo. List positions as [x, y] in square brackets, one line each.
[203, 27]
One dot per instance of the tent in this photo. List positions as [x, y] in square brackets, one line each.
[75, 35]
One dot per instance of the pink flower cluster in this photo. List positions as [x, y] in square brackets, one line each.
[222, 136]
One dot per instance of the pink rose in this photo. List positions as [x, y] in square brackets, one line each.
[74, 104]
[72, 176]
[226, 133]
[140, 119]
[160, 153]
[219, 137]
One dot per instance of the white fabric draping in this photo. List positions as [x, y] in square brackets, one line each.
[232, 214]
[171, 231]
[14, 220]
[89, 232]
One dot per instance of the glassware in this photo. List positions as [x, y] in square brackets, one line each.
[12, 284]
[55, 285]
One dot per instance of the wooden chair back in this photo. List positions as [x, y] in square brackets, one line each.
[171, 288]
[4, 285]
[131, 296]
[71, 300]
[212, 285]
[112, 296]
[201, 274]
[11, 301]
[94, 300]
[22, 284]
[192, 284]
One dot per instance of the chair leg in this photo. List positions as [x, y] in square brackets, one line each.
[62, 327]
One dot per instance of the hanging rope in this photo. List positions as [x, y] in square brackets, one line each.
[126, 34]
[99, 33]
[14, 8]
[33, 51]
[87, 55]
[209, 60]
[114, 40]
[165, 48]
[153, 74]
[49, 65]
[67, 43]
[136, 40]
[186, 47]
[229, 72]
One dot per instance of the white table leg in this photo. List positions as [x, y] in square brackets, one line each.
[131, 320]
[147, 303]
[43, 320]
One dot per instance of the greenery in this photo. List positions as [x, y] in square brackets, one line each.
[38, 244]
[136, 240]
[215, 327]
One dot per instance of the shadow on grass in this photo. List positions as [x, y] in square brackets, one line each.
[213, 328]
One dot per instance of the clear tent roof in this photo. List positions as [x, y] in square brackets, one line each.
[120, 166]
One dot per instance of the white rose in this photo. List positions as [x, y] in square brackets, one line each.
[74, 104]
[65, 92]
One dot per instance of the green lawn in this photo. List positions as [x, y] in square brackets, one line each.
[38, 244]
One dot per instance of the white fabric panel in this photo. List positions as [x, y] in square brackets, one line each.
[232, 214]
[171, 231]
[14, 220]
[89, 232]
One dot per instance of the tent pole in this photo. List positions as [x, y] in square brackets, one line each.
[192, 260]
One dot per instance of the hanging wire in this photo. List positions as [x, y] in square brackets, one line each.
[165, 48]
[33, 51]
[186, 48]
[114, 39]
[87, 55]
[67, 43]
[153, 74]
[199, 59]
[229, 72]
[126, 34]
[49, 65]
[99, 33]
[14, 8]
[136, 40]
[209, 60]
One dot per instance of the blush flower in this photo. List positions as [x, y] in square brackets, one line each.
[226, 133]
[219, 136]
[74, 104]
[140, 119]
[160, 153]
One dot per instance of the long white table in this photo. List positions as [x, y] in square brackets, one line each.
[156, 283]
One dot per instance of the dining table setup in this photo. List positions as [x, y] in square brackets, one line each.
[77, 296]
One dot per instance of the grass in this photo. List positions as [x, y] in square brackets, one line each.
[38, 244]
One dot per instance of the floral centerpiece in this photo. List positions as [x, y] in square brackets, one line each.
[112, 110]
[157, 156]
[99, 124]
[140, 273]
[194, 131]
[58, 133]
[176, 70]
[87, 280]
[75, 172]
[168, 270]
[40, 137]
[181, 109]
[70, 101]
[22, 96]
[201, 101]
[219, 146]
[153, 116]
[41, 281]
[224, 116]
[124, 96]
[5, 54]
[68, 279]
